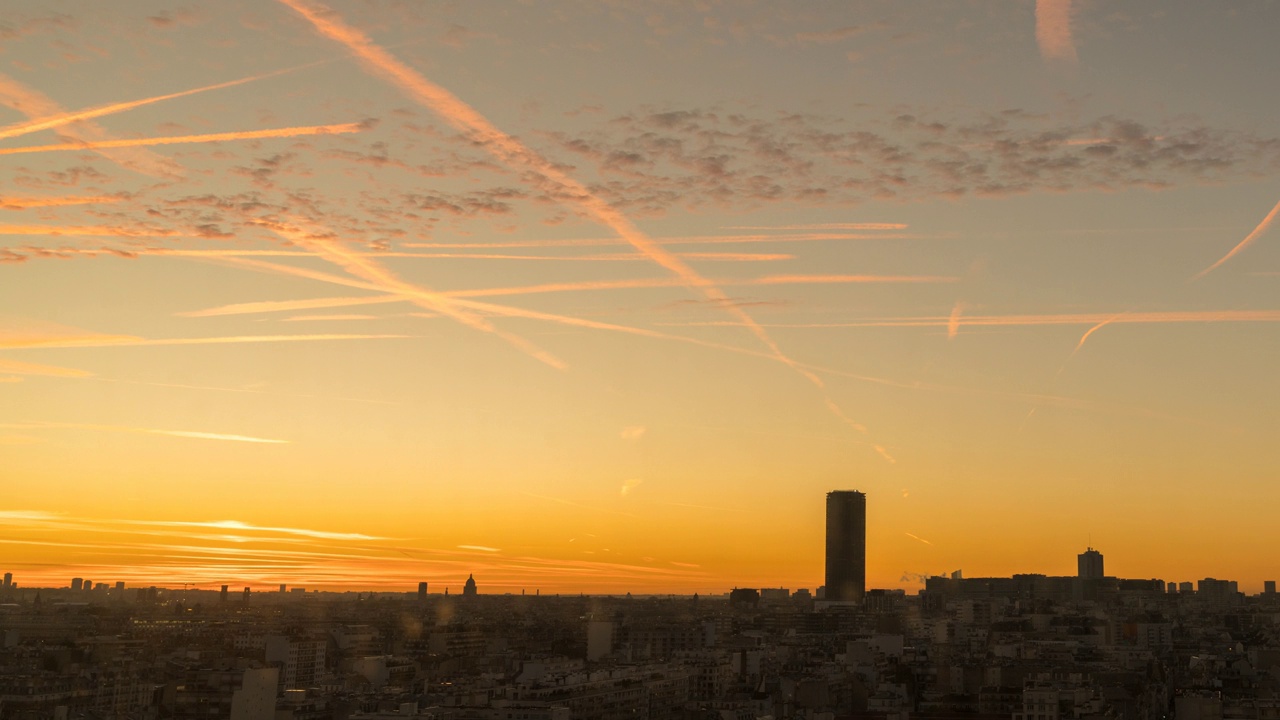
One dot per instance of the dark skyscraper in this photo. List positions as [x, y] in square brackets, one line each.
[1089, 564]
[846, 545]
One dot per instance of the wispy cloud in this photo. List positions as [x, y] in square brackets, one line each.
[630, 484]
[1053, 30]
[570, 503]
[25, 368]
[18, 342]
[28, 515]
[633, 432]
[246, 390]
[207, 554]
[214, 436]
[824, 37]
[85, 230]
[701, 157]
[245, 531]
[247, 527]
[1257, 232]
[23, 203]
[299, 131]
[328, 318]
[145, 431]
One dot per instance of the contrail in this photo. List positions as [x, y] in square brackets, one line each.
[508, 311]
[1053, 30]
[369, 270]
[1093, 330]
[145, 431]
[178, 139]
[1262, 227]
[22, 203]
[1079, 345]
[825, 279]
[1168, 316]
[67, 118]
[588, 285]
[674, 240]
[1077, 349]
[251, 391]
[37, 105]
[953, 322]
[291, 305]
[607, 257]
[507, 148]
[917, 537]
[20, 343]
[823, 226]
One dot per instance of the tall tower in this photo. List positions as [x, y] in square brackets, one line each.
[846, 545]
[1089, 564]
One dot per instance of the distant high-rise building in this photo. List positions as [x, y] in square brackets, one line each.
[283, 588]
[1089, 564]
[88, 584]
[469, 590]
[77, 584]
[846, 545]
[422, 591]
[1268, 587]
[222, 596]
[8, 579]
[246, 594]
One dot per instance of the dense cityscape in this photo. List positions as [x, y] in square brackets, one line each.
[1027, 647]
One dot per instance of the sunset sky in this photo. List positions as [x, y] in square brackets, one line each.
[605, 296]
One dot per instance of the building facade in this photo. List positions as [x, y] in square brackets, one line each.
[846, 575]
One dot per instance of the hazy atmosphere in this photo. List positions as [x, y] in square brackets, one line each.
[606, 296]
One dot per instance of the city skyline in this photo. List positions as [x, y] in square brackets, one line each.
[603, 299]
[845, 556]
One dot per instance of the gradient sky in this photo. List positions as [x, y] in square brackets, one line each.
[605, 296]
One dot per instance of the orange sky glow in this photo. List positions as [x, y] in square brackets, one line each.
[595, 299]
